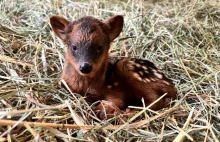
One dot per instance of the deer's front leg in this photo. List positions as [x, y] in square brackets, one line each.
[107, 109]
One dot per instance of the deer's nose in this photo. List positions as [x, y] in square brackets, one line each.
[85, 68]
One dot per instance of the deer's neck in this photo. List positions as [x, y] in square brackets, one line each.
[80, 84]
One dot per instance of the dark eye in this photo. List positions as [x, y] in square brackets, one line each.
[99, 48]
[74, 48]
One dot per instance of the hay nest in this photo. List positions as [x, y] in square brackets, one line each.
[181, 37]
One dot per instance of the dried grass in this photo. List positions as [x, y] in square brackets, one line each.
[181, 37]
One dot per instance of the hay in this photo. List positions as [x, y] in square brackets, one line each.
[181, 37]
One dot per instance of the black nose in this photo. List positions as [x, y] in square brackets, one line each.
[85, 68]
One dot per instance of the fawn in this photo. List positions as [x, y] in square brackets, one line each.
[89, 70]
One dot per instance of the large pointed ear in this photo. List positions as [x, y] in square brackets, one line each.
[116, 24]
[59, 26]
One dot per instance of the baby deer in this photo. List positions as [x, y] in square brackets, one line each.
[89, 70]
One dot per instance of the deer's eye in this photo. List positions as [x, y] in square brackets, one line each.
[100, 47]
[74, 48]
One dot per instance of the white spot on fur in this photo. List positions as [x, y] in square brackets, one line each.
[144, 67]
[152, 79]
[158, 75]
[147, 80]
[137, 76]
[146, 71]
[141, 73]
[138, 65]
[166, 82]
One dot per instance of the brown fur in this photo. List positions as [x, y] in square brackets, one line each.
[120, 82]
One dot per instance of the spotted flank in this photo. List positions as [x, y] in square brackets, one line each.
[144, 70]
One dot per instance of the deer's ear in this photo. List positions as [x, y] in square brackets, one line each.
[59, 26]
[115, 24]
